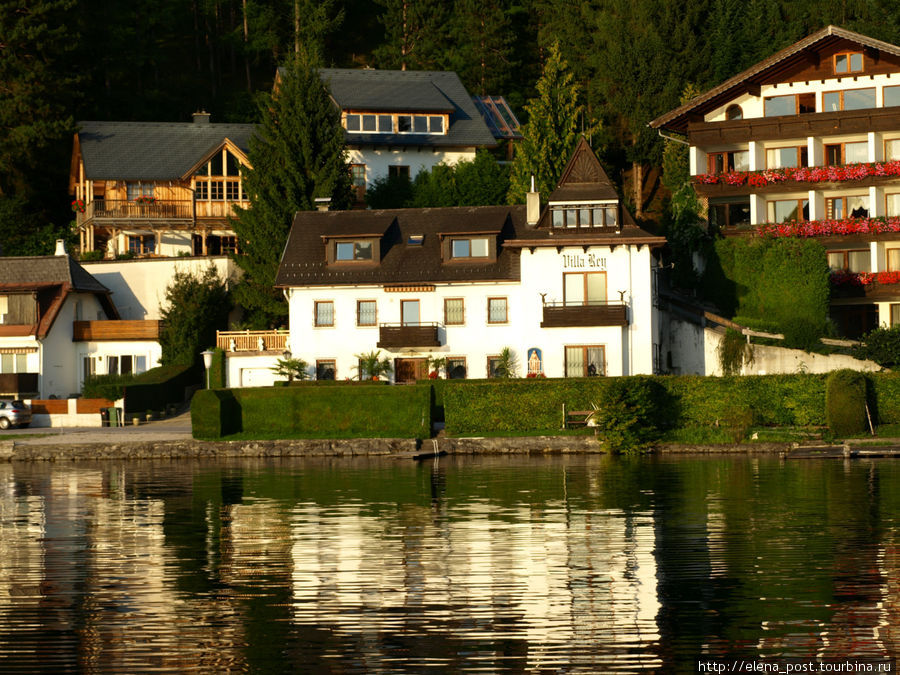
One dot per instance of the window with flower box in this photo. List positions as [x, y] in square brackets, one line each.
[892, 149]
[135, 190]
[837, 208]
[848, 62]
[856, 261]
[784, 210]
[848, 99]
[790, 104]
[789, 157]
[724, 162]
[838, 154]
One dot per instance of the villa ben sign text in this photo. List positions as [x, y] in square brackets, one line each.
[589, 261]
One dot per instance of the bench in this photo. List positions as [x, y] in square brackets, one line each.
[575, 418]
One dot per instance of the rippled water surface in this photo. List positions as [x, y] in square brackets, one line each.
[560, 564]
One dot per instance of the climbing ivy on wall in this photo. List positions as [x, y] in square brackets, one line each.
[785, 281]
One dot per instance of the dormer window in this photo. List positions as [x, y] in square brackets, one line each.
[586, 215]
[389, 123]
[475, 247]
[849, 62]
[415, 239]
[353, 251]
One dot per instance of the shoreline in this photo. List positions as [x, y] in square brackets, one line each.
[400, 448]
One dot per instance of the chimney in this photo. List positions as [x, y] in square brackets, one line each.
[323, 203]
[532, 206]
[201, 117]
[60, 247]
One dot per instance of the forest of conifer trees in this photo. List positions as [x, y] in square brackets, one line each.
[160, 60]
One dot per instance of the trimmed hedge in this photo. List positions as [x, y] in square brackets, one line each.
[885, 397]
[472, 407]
[845, 402]
[323, 412]
[157, 387]
[217, 369]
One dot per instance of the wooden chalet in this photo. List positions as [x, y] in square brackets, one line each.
[157, 189]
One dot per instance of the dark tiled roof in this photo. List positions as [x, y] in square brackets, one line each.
[303, 263]
[411, 91]
[677, 119]
[152, 150]
[48, 269]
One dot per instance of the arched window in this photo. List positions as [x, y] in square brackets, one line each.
[734, 112]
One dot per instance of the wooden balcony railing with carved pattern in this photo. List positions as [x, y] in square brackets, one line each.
[252, 340]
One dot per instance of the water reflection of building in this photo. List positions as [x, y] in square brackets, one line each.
[536, 586]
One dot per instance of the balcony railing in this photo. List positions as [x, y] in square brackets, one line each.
[594, 313]
[252, 340]
[84, 331]
[120, 209]
[400, 335]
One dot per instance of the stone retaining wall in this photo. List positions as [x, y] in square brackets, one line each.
[191, 449]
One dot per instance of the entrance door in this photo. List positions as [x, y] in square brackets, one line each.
[410, 370]
[410, 312]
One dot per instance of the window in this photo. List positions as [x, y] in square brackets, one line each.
[228, 244]
[838, 154]
[232, 190]
[420, 124]
[892, 258]
[369, 123]
[324, 313]
[353, 251]
[497, 310]
[201, 191]
[851, 62]
[850, 261]
[210, 180]
[848, 99]
[895, 315]
[729, 214]
[601, 215]
[584, 288]
[366, 312]
[723, 162]
[456, 367]
[385, 124]
[585, 361]
[326, 369]
[216, 191]
[141, 244]
[13, 363]
[493, 365]
[409, 312]
[352, 122]
[135, 190]
[454, 312]
[838, 208]
[124, 364]
[436, 125]
[395, 171]
[892, 149]
[892, 204]
[358, 175]
[415, 240]
[791, 104]
[783, 158]
[891, 96]
[404, 124]
[783, 210]
[476, 247]
[734, 112]
[88, 367]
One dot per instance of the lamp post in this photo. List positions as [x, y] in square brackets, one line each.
[207, 362]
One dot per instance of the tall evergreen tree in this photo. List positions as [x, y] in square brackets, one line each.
[415, 34]
[551, 132]
[481, 45]
[297, 154]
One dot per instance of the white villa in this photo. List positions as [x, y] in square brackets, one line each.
[569, 289]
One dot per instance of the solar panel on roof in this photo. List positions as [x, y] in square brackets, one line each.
[498, 116]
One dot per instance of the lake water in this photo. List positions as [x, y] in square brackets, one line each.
[513, 564]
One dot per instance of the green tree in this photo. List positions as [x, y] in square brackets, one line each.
[481, 44]
[297, 154]
[551, 132]
[415, 33]
[373, 366]
[196, 307]
[292, 369]
[480, 182]
[882, 346]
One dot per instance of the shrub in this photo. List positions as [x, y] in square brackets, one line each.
[214, 413]
[628, 413]
[845, 402]
[160, 386]
[885, 397]
[217, 369]
[111, 387]
[882, 346]
[801, 333]
[734, 352]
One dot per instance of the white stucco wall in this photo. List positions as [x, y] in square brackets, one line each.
[628, 350]
[250, 370]
[139, 286]
[377, 160]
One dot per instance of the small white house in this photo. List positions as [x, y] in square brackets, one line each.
[58, 324]
[568, 289]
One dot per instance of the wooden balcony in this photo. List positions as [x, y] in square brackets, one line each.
[252, 340]
[398, 335]
[794, 126]
[89, 331]
[162, 211]
[572, 315]
[18, 385]
[789, 186]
